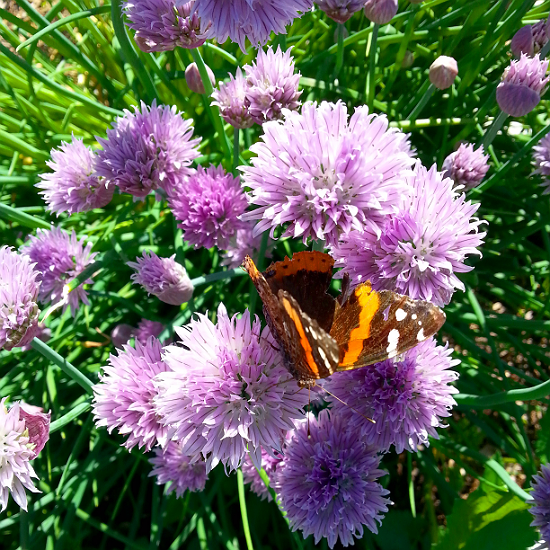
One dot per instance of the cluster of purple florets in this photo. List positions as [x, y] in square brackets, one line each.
[221, 394]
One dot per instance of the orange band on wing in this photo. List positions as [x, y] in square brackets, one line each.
[369, 303]
[304, 342]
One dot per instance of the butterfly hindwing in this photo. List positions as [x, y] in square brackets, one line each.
[372, 326]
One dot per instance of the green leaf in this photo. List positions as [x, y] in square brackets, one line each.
[542, 444]
[488, 521]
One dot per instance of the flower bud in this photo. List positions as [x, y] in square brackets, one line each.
[408, 60]
[530, 39]
[162, 277]
[465, 166]
[381, 11]
[121, 334]
[523, 82]
[443, 72]
[38, 424]
[340, 10]
[194, 80]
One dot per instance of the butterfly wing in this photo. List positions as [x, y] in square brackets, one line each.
[313, 352]
[372, 326]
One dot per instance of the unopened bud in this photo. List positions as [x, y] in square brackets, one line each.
[443, 72]
[381, 11]
[194, 80]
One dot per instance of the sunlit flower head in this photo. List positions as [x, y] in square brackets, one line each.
[73, 185]
[272, 85]
[541, 159]
[230, 98]
[59, 258]
[530, 39]
[37, 422]
[407, 397]
[161, 26]
[19, 290]
[123, 398]
[148, 149]
[252, 19]
[328, 482]
[208, 206]
[227, 393]
[540, 504]
[324, 174]
[16, 450]
[422, 245]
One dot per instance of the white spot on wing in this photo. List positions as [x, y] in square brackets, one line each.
[323, 356]
[420, 336]
[393, 340]
[414, 315]
[400, 314]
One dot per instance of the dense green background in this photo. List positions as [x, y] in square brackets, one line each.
[462, 491]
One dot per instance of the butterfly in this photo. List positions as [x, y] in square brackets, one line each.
[320, 335]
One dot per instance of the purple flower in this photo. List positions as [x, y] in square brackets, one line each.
[122, 333]
[230, 99]
[381, 11]
[162, 277]
[243, 243]
[328, 484]
[541, 158]
[74, 186]
[421, 246]
[325, 176]
[37, 423]
[208, 205]
[123, 398]
[523, 82]
[272, 85]
[465, 166]
[16, 450]
[443, 72]
[59, 258]
[340, 10]
[19, 290]
[42, 332]
[407, 397]
[530, 39]
[148, 149]
[540, 507]
[146, 329]
[252, 477]
[174, 467]
[252, 19]
[161, 26]
[228, 392]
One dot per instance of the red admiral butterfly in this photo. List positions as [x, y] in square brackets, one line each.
[320, 335]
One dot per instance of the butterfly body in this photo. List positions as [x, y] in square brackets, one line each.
[319, 335]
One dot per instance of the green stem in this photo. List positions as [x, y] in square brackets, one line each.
[23, 530]
[235, 151]
[340, 53]
[422, 103]
[129, 53]
[411, 485]
[371, 85]
[208, 89]
[26, 220]
[63, 364]
[221, 275]
[244, 515]
[85, 274]
[491, 133]
[70, 416]
[510, 396]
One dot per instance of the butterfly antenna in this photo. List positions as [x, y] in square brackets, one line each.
[347, 405]
[309, 409]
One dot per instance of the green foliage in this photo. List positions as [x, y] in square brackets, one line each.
[490, 520]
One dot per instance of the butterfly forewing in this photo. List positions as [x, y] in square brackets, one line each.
[373, 326]
[314, 353]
